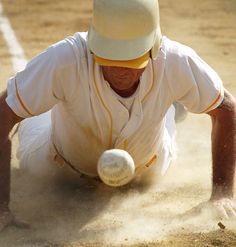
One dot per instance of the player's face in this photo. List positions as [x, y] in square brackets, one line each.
[121, 78]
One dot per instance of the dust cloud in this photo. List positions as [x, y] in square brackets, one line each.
[174, 204]
[92, 214]
[62, 215]
[154, 214]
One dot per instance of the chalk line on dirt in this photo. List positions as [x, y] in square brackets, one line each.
[15, 49]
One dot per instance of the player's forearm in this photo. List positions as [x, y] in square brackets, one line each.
[7, 120]
[224, 150]
[5, 156]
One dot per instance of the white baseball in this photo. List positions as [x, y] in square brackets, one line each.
[116, 167]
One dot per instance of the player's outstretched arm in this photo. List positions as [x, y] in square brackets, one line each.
[224, 155]
[7, 120]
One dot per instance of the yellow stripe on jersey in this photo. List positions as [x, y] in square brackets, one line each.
[21, 101]
[215, 101]
[151, 161]
[106, 108]
[125, 144]
[150, 89]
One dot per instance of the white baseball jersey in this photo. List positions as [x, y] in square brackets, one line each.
[88, 117]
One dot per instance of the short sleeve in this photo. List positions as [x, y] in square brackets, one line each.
[44, 82]
[32, 91]
[191, 80]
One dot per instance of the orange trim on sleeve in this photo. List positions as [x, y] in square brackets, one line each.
[20, 100]
[214, 102]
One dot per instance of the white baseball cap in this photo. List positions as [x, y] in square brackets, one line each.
[123, 30]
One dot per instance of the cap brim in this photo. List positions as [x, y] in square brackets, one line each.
[138, 63]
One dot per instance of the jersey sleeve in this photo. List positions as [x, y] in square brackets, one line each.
[192, 81]
[43, 83]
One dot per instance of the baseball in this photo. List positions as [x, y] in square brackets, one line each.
[116, 167]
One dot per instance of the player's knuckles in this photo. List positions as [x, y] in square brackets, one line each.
[227, 210]
[21, 224]
[2, 227]
[220, 211]
[230, 211]
[234, 207]
[5, 220]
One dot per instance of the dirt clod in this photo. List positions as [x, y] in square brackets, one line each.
[221, 225]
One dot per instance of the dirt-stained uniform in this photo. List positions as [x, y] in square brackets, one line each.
[85, 116]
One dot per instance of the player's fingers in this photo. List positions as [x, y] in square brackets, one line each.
[234, 206]
[19, 223]
[5, 220]
[229, 211]
[221, 211]
[228, 206]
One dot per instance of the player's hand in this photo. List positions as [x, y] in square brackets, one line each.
[8, 219]
[223, 208]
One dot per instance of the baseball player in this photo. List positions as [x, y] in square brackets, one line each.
[114, 87]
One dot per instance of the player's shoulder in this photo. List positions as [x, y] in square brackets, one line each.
[175, 50]
[72, 43]
[78, 41]
[70, 50]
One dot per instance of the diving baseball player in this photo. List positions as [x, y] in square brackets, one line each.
[114, 87]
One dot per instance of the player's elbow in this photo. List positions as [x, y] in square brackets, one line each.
[7, 119]
[226, 111]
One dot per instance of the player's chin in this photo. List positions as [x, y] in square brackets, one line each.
[124, 84]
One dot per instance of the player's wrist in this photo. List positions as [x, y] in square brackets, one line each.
[4, 208]
[221, 191]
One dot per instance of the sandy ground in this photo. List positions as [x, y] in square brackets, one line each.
[95, 215]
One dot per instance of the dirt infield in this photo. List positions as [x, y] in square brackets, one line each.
[94, 215]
